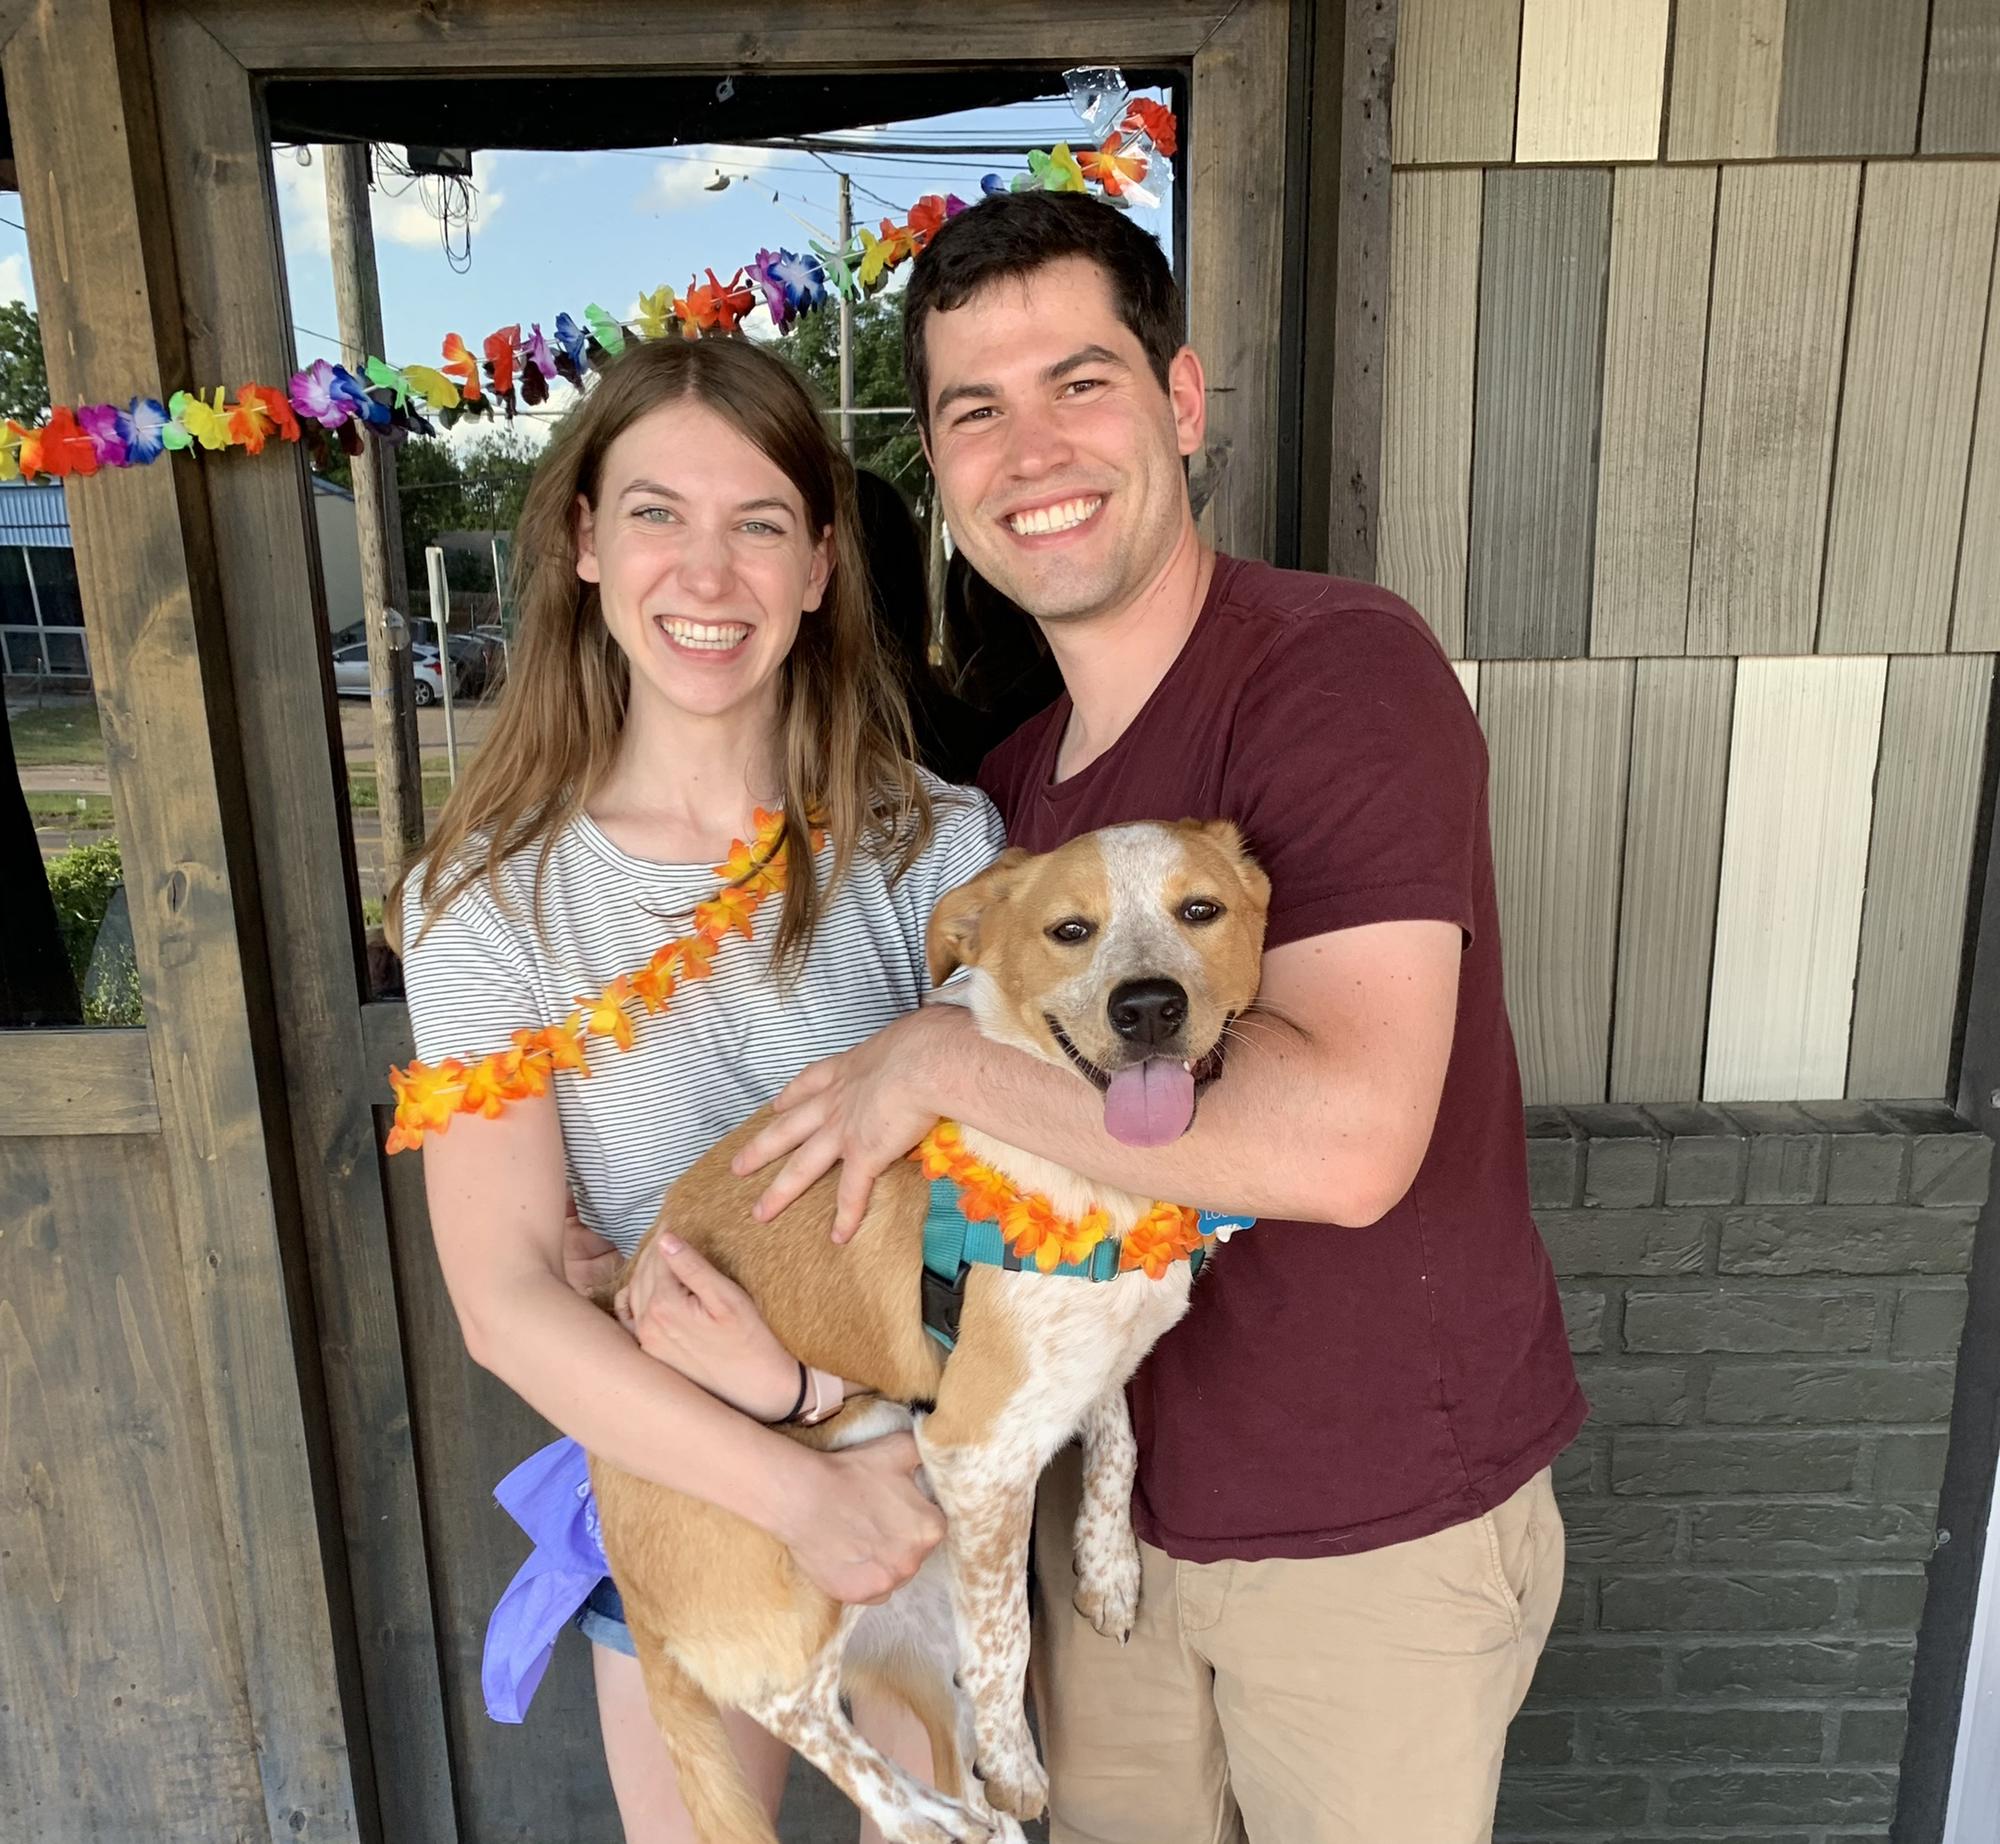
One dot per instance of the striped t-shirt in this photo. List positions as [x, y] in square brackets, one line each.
[725, 1045]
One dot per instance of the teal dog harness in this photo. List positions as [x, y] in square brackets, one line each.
[954, 1245]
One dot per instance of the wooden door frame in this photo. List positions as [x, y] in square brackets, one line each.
[152, 221]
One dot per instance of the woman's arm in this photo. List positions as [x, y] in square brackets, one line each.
[854, 1520]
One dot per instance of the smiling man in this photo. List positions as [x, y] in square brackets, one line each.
[1350, 1551]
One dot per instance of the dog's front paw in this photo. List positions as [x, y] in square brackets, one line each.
[924, 1816]
[1014, 1779]
[1107, 1583]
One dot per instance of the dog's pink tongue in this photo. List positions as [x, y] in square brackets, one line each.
[1149, 1104]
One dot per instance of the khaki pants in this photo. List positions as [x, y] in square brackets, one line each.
[1344, 1700]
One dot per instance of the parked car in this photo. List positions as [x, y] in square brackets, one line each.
[481, 662]
[350, 672]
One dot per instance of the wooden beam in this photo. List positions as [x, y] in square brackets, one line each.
[220, 194]
[1673, 859]
[1962, 80]
[1427, 407]
[1728, 59]
[1975, 612]
[386, 1043]
[83, 1081]
[1350, 206]
[1853, 72]
[1236, 148]
[1906, 988]
[1794, 860]
[1544, 252]
[1913, 338]
[119, 1659]
[103, 257]
[1784, 245]
[1560, 737]
[365, 37]
[1593, 80]
[1656, 328]
[1456, 64]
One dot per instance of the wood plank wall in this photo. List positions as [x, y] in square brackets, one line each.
[1692, 461]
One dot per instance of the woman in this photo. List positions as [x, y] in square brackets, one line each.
[696, 645]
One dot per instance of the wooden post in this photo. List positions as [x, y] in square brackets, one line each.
[378, 522]
[95, 201]
[846, 328]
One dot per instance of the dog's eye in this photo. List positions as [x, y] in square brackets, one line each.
[1072, 931]
[1198, 910]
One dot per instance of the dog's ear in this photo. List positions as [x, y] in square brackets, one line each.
[1229, 836]
[953, 938]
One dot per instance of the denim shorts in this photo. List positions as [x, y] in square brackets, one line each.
[601, 1619]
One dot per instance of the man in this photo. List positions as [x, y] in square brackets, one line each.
[1351, 1552]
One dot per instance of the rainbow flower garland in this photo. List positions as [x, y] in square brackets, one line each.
[1037, 1231]
[393, 402]
[429, 1097]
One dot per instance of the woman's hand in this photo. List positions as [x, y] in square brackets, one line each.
[686, 1312]
[866, 1527]
[590, 1263]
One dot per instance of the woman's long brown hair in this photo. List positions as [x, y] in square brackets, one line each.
[845, 730]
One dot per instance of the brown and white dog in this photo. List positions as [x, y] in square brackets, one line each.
[1122, 956]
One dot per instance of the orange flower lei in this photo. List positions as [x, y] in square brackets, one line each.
[428, 1097]
[1036, 1231]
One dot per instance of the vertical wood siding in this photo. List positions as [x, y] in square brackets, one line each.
[1662, 230]
[1593, 79]
[1728, 58]
[1456, 62]
[1794, 859]
[1672, 865]
[1921, 282]
[1919, 868]
[1962, 83]
[1559, 734]
[1784, 244]
[1854, 71]
[1427, 397]
[1543, 256]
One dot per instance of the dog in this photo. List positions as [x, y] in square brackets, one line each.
[1121, 957]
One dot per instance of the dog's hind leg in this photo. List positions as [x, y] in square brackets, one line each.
[717, 1796]
[1107, 1553]
[809, 1718]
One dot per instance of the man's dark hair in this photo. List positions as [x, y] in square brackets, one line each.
[1013, 234]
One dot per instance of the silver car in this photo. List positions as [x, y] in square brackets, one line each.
[350, 672]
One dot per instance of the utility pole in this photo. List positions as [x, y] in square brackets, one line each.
[846, 327]
[378, 521]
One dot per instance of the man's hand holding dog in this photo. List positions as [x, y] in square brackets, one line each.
[862, 1110]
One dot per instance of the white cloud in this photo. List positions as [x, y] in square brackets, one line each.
[16, 284]
[301, 202]
[685, 175]
[406, 218]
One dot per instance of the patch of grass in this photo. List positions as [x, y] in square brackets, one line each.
[57, 734]
[77, 812]
[364, 794]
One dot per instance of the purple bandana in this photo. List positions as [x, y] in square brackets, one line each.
[549, 1496]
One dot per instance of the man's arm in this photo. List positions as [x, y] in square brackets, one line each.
[1323, 1113]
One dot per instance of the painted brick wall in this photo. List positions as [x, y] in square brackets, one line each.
[1765, 1303]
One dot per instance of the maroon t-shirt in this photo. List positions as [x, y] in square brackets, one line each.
[1336, 1389]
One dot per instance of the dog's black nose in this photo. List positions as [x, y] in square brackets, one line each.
[1148, 1012]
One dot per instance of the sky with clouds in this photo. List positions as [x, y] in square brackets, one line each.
[559, 230]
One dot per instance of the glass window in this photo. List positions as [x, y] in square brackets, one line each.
[17, 601]
[24, 652]
[65, 654]
[55, 586]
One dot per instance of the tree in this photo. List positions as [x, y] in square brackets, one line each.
[24, 377]
[886, 445]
